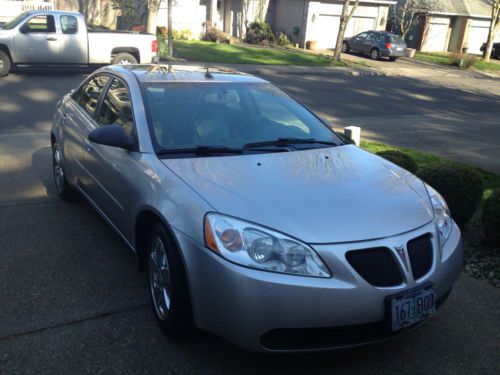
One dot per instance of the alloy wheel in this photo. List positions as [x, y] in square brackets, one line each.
[58, 169]
[159, 278]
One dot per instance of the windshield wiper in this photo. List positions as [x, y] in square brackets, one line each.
[283, 142]
[201, 151]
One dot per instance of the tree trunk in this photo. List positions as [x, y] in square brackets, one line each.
[153, 7]
[495, 22]
[170, 30]
[344, 19]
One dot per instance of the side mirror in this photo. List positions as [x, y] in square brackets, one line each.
[111, 135]
[25, 28]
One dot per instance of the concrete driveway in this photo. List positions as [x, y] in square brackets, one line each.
[73, 301]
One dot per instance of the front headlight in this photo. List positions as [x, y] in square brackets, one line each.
[253, 246]
[442, 216]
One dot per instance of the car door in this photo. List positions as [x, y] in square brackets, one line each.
[77, 117]
[367, 43]
[73, 40]
[37, 41]
[356, 42]
[109, 168]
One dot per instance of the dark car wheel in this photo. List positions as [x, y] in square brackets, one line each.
[124, 58]
[63, 188]
[375, 54]
[5, 64]
[345, 47]
[168, 284]
[393, 58]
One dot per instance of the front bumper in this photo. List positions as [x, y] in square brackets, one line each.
[265, 311]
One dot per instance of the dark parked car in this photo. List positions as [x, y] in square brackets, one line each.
[377, 44]
[495, 50]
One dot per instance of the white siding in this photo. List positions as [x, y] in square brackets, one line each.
[289, 14]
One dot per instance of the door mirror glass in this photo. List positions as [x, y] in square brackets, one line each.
[25, 28]
[111, 135]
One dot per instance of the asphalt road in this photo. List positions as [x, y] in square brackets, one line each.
[73, 301]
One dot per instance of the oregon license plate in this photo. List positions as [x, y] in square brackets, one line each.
[413, 307]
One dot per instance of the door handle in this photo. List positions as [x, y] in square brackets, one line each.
[51, 39]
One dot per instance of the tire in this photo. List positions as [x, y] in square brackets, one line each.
[375, 54]
[167, 281]
[63, 188]
[345, 47]
[124, 58]
[393, 58]
[5, 64]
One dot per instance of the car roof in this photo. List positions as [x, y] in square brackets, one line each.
[147, 73]
[50, 11]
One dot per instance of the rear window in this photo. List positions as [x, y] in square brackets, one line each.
[395, 39]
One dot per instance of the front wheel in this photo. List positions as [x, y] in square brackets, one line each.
[168, 284]
[5, 64]
[64, 190]
[124, 58]
[345, 47]
[375, 54]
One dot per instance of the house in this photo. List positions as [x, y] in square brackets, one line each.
[453, 26]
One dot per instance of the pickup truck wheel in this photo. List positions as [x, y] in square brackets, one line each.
[124, 58]
[5, 64]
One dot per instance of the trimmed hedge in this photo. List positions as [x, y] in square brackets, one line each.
[405, 161]
[491, 218]
[462, 188]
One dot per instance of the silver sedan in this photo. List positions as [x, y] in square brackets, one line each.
[255, 221]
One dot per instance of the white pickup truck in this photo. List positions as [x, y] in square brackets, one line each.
[61, 38]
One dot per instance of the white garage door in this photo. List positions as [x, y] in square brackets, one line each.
[478, 34]
[435, 40]
[327, 30]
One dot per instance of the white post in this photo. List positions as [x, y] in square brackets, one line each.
[354, 133]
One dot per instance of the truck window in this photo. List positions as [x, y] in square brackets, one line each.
[69, 25]
[88, 95]
[41, 24]
[117, 108]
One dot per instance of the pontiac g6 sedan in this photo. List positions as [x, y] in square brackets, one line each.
[255, 221]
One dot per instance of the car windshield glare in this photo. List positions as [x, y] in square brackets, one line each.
[185, 115]
[14, 22]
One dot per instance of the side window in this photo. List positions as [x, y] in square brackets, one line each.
[69, 25]
[371, 37]
[117, 108]
[362, 36]
[40, 24]
[88, 95]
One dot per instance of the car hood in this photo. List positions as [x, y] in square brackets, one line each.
[327, 195]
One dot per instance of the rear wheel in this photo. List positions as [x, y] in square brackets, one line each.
[393, 58]
[375, 54]
[168, 284]
[345, 47]
[5, 64]
[124, 58]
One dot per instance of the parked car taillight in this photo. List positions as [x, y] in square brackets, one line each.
[154, 46]
[388, 45]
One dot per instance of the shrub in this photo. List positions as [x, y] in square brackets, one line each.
[491, 218]
[462, 188]
[259, 32]
[184, 34]
[283, 40]
[400, 158]
[463, 61]
[212, 34]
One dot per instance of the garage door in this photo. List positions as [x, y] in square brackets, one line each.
[478, 34]
[435, 40]
[359, 24]
[327, 29]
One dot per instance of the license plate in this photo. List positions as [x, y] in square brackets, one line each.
[413, 307]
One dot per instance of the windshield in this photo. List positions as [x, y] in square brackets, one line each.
[14, 22]
[189, 115]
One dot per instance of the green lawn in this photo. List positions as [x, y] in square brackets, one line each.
[195, 50]
[445, 58]
[425, 159]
